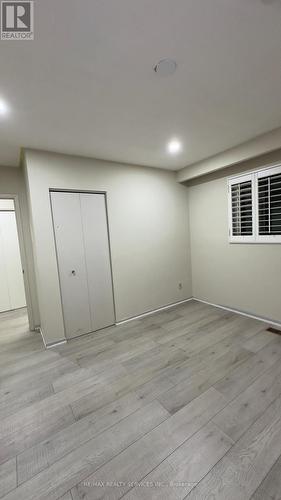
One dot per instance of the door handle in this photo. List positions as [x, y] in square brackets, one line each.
[73, 272]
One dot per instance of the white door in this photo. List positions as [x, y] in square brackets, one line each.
[12, 295]
[71, 262]
[97, 254]
[80, 227]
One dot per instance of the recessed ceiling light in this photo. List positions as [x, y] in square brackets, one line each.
[4, 109]
[174, 147]
[165, 67]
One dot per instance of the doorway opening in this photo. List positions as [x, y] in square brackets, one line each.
[12, 290]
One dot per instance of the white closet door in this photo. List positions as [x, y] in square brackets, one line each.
[12, 295]
[71, 263]
[97, 253]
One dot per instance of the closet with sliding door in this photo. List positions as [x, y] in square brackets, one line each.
[84, 264]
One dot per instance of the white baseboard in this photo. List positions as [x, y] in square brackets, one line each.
[243, 313]
[153, 311]
[52, 344]
[55, 344]
[39, 329]
[169, 306]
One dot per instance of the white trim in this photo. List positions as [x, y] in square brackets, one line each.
[169, 306]
[265, 172]
[238, 311]
[240, 178]
[55, 344]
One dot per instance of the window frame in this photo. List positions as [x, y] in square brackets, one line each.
[252, 176]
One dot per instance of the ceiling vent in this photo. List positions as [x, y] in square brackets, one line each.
[165, 67]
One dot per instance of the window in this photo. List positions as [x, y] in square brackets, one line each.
[255, 207]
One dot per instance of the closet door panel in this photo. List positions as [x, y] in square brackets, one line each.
[71, 262]
[97, 253]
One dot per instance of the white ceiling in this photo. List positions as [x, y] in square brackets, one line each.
[86, 84]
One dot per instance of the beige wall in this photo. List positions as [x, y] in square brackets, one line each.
[245, 277]
[12, 183]
[261, 145]
[148, 223]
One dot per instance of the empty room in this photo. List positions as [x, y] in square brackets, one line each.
[140, 250]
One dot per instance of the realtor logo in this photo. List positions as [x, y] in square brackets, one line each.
[17, 20]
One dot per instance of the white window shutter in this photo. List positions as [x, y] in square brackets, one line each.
[241, 209]
[269, 205]
[254, 202]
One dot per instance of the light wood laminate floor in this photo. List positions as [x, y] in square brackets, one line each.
[185, 403]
